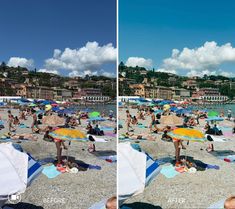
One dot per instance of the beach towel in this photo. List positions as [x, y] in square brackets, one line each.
[169, 171]
[23, 126]
[97, 139]
[106, 128]
[217, 205]
[50, 171]
[88, 166]
[142, 126]
[218, 138]
[110, 134]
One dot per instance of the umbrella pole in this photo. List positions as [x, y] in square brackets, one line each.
[68, 152]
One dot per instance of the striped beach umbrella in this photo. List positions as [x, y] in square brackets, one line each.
[69, 134]
[141, 170]
[187, 134]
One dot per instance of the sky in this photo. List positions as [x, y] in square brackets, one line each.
[186, 37]
[71, 38]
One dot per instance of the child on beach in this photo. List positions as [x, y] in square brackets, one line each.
[230, 203]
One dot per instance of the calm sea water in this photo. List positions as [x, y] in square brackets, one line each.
[100, 108]
[219, 107]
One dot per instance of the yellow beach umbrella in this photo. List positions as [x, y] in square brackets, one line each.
[187, 134]
[68, 134]
[48, 107]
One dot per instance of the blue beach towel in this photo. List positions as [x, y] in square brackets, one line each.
[50, 171]
[169, 171]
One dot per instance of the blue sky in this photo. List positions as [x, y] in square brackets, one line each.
[34, 29]
[151, 29]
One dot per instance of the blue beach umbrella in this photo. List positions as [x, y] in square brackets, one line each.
[214, 119]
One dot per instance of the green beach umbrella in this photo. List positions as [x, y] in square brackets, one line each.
[94, 114]
[32, 105]
[213, 113]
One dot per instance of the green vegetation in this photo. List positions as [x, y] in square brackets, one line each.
[167, 79]
[23, 75]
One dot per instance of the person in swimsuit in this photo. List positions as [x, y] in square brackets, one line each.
[128, 120]
[153, 120]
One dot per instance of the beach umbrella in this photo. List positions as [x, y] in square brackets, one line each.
[187, 134]
[18, 170]
[32, 105]
[214, 119]
[166, 107]
[66, 111]
[213, 114]
[13, 169]
[183, 111]
[86, 110]
[48, 107]
[53, 120]
[173, 109]
[141, 170]
[94, 114]
[69, 134]
[171, 120]
[158, 111]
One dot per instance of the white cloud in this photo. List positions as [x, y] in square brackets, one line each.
[199, 61]
[91, 57]
[20, 61]
[167, 71]
[89, 72]
[107, 74]
[48, 71]
[139, 61]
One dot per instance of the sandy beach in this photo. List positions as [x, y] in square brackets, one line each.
[185, 190]
[68, 190]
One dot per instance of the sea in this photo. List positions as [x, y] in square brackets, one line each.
[99, 108]
[218, 107]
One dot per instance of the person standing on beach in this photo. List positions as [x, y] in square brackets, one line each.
[35, 120]
[10, 121]
[229, 114]
[153, 120]
[128, 120]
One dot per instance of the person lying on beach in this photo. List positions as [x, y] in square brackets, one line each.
[139, 136]
[111, 203]
[23, 137]
[230, 203]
